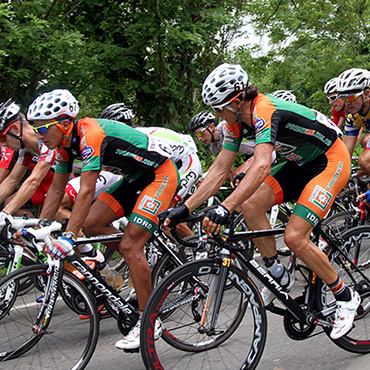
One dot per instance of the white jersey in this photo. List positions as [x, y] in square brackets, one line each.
[184, 154]
[104, 181]
[182, 145]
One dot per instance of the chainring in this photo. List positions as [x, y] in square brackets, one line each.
[294, 328]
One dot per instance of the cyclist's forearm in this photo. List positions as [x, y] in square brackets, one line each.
[209, 186]
[24, 193]
[6, 189]
[51, 204]
[79, 213]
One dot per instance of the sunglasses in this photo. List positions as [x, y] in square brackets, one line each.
[2, 135]
[44, 128]
[333, 97]
[353, 97]
[200, 133]
[219, 108]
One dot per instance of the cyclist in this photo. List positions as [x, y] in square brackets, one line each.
[33, 156]
[354, 90]
[317, 167]
[338, 115]
[285, 95]
[203, 126]
[184, 150]
[149, 183]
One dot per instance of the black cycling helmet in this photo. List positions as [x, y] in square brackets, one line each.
[118, 112]
[9, 111]
[202, 119]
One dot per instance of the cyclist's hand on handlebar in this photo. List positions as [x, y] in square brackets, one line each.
[62, 246]
[215, 218]
[236, 179]
[364, 197]
[174, 215]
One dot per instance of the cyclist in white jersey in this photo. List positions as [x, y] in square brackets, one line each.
[184, 150]
[203, 126]
[104, 181]
[184, 155]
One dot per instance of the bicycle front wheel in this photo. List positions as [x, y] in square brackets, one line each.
[67, 342]
[188, 338]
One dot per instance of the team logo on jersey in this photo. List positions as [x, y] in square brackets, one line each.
[259, 124]
[284, 149]
[320, 197]
[86, 152]
[150, 205]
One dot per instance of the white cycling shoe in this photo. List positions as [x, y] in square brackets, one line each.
[132, 339]
[344, 316]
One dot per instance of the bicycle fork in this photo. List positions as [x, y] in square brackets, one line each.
[55, 272]
[215, 294]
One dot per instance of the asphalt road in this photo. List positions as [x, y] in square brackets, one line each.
[280, 352]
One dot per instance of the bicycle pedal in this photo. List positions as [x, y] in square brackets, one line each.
[135, 350]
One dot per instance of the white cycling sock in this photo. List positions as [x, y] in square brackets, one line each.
[84, 248]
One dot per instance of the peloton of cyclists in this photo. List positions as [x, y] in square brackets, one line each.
[317, 167]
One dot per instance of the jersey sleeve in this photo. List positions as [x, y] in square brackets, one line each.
[92, 136]
[47, 155]
[262, 111]
[351, 127]
[62, 161]
[7, 157]
[232, 137]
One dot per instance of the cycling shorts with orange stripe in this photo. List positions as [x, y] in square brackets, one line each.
[315, 184]
[145, 197]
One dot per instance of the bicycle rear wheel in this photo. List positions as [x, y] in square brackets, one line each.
[67, 342]
[356, 243]
[179, 300]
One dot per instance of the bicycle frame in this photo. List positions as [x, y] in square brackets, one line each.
[315, 284]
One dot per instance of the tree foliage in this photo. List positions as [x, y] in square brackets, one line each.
[155, 54]
[152, 54]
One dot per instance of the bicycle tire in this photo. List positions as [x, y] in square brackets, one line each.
[66, 342]
[184, 345]
[26, 261]
[342, 221]
[358, 339]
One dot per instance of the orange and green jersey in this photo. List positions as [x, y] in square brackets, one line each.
[115, 145]
[298, 133]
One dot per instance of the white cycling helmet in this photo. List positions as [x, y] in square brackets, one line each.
[223, 83]
[331, 86]
[353, 80]
[52, 105]
[285, 95]
[8, 111]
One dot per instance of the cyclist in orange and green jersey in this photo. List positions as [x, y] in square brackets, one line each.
[150, 180]
[316, 168]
